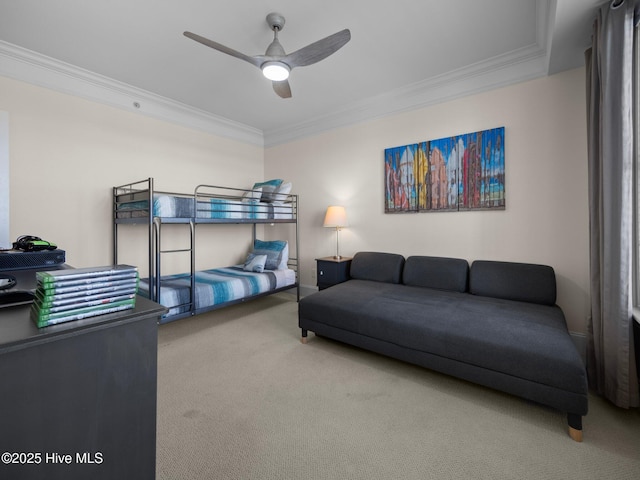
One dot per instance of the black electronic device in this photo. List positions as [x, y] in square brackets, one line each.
[31, 243]
[43, 259]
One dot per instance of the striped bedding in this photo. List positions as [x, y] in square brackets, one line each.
[217, 286]
[171, 206]
[251, 209]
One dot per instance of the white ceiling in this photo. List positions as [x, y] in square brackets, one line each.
[403, 54]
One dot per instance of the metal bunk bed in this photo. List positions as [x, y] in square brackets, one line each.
[139, 203]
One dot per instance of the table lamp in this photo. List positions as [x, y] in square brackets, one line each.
[336, 217]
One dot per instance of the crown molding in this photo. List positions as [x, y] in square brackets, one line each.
[31, 67]
[520, 65]
[514, 67]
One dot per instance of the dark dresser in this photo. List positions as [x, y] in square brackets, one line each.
[78, 399]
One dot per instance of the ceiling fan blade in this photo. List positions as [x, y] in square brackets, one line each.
[282, 88]
[319, 50]
[221, 48]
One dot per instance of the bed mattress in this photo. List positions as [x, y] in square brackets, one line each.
[217, 286]
[172, 206]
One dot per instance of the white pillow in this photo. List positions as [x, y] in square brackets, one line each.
[255, 263]
[280, 195]
[285, 258]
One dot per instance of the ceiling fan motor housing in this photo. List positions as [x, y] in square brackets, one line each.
[275, 21]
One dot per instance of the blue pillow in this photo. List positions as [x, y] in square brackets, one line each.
[273, 250]
[268, 189]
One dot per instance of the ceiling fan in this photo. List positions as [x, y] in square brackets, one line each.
[275, 63]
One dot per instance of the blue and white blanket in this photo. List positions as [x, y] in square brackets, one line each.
[171, 206]
[216, 286]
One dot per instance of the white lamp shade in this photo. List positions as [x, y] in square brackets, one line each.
[336, 217]
[275, 71]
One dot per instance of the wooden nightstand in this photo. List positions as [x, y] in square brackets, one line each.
[332, 270]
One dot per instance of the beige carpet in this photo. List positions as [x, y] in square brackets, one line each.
[239, 397]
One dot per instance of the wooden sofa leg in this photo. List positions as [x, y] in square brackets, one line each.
[304, 338]
[575, 427]
[575, 435]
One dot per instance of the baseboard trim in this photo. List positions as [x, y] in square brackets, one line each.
[307, 290]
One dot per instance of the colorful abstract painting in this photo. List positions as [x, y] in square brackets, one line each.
[464, 172]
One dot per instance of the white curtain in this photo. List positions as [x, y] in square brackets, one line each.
[611, 89]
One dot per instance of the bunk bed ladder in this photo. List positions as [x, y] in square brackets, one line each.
[158, 260]
[151, 251]
[192, 232]
[296, 198]
[131, 190]
[154, 262]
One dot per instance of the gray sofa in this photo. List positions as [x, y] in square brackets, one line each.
[495, 324]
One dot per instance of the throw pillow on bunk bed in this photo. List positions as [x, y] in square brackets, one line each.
[252, 196]
[275, 252]
[281, 193]
[284, 260]
[255, 263]
[268, 188]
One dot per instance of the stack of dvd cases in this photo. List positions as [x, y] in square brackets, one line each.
[64, 295]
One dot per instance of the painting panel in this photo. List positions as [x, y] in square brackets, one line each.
[440, 180]
[400, 179]
[493, 175]
[481, 170]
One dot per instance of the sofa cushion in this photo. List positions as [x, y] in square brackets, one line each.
[436, 272]
[378, 267]
[524, 282]
[524, 340]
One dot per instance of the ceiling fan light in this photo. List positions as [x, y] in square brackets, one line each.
[275, 71]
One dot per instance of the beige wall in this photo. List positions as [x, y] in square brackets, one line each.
[546, 219]
[66, 153]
